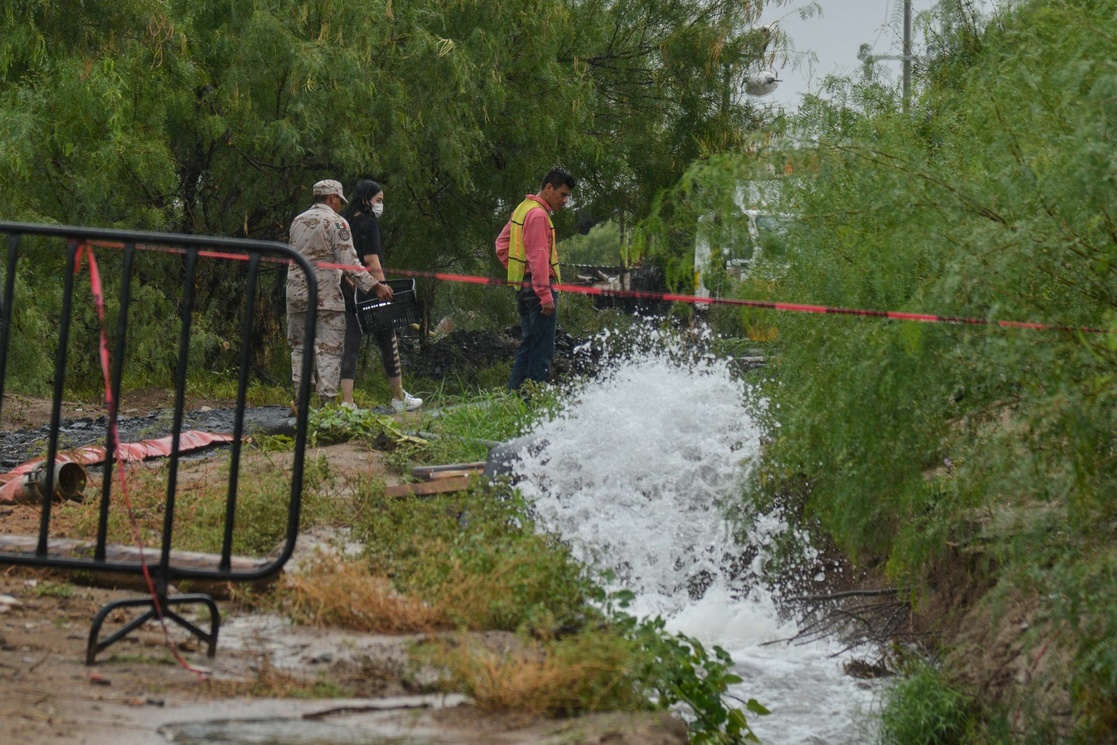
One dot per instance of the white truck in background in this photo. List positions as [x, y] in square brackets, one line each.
[735, 242]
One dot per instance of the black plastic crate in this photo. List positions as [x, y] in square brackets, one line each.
[402, 310]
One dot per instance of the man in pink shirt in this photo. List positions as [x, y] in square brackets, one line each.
[528, 249]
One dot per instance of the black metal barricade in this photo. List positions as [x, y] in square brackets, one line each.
[65, 246]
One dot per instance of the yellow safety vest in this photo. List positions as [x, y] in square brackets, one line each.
[517, 253]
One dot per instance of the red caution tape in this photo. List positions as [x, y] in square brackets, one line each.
[678, 298]
[768, 305]
[118, 451]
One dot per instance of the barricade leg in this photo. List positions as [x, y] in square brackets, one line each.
[94, 646]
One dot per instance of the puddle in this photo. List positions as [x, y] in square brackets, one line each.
[294, 648]
[276, 732]
[383, 721]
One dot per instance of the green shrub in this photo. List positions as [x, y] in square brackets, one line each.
[923, 708]
[476, 553]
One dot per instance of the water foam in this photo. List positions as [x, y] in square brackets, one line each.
[633, 474]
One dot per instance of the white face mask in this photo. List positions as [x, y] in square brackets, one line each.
[378, 209]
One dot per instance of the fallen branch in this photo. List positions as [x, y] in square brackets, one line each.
[843, 595]
[363, 709]
[839, 615]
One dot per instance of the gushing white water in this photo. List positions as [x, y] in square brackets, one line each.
[633, 473]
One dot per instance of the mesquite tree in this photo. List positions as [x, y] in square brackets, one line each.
[214, 117]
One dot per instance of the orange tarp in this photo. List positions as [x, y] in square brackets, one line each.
[94, 454]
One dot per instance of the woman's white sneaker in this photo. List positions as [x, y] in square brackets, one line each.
[407, 403]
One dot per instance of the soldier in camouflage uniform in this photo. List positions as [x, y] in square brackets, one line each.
[322, 235]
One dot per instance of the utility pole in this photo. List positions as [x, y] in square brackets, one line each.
[906, 57]
[907, 54]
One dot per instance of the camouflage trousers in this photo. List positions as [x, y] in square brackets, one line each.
[329, 342]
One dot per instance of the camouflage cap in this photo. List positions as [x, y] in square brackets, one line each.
[327, 187]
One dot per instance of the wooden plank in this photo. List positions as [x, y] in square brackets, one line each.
[438, 476]
[456, 469]
[427, 488]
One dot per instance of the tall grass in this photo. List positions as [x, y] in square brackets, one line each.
[332, 592]
[923, 708]
[582, 673]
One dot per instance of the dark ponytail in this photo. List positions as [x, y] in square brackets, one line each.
[366, 189]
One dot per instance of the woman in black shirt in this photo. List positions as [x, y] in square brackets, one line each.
[365, 207]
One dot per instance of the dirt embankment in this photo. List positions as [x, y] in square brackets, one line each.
[999, 644]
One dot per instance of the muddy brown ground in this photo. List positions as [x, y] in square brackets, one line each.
[136, 692]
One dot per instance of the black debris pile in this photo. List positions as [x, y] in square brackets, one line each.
[575, 356]
[466, 355]
[23, 445]
[460, 355]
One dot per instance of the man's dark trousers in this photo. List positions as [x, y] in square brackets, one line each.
[537, 339]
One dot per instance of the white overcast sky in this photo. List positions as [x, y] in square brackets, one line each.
[834, 36]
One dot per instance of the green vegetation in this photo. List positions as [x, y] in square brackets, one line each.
[479, 555]
[978, 452]
[627, 666]
[956, 457]
[475, 561]
[602, 245]
[53, 590]
[924, 709]
[262, 507]
[213, 118]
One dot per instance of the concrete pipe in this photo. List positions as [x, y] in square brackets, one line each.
[69, 481]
